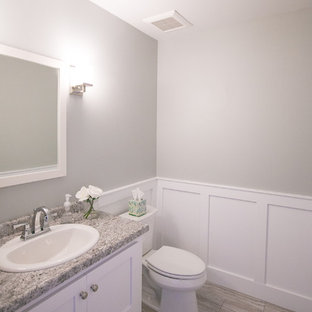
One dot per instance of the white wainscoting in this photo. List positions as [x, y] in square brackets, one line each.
[256, 242]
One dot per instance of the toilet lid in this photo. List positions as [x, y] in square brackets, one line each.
[176, 262]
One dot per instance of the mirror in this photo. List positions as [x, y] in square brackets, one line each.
[32, 117]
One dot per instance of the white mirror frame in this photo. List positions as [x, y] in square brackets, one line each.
[59, 170]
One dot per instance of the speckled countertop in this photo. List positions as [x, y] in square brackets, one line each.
[18, 289]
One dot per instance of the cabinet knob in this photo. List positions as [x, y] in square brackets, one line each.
[83, 295]
[94, 287]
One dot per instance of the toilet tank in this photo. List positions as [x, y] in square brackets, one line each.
[148, 218]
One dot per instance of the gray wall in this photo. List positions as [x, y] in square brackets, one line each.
[234, 105]
[111, 131]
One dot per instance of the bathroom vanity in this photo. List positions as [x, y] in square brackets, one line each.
[106, 278]
[114, 285]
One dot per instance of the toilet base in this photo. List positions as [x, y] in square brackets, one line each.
[178, 301]
[149, 297]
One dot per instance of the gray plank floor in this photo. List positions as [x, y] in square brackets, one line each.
[213, 298]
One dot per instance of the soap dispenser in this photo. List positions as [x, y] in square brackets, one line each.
[67, 215]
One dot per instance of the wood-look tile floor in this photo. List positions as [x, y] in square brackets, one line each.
[213, 298]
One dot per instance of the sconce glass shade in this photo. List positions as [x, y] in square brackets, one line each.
[77, 76]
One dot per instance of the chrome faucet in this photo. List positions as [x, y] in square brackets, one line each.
[30, 231]
[44, 222]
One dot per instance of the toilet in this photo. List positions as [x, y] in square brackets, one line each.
[174, 274]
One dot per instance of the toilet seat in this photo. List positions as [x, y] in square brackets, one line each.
[177, 277]
[176, 263]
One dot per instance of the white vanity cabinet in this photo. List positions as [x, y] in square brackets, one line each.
[113, 286]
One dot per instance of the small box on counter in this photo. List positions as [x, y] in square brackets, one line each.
[137, 207]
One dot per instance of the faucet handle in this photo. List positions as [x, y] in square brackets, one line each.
[16, 226]
[25, 232]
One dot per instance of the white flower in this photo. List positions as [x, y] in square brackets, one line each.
[94, 191]
[83, 194]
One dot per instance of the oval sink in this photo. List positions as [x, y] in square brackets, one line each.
[63, 243]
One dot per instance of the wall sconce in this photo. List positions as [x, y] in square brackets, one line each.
[80, 89]
[78, 75]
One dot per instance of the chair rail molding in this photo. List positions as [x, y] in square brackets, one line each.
[115, 201]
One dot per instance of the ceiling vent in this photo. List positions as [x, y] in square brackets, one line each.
[168, 21]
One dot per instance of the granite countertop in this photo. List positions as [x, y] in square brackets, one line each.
[18, 289]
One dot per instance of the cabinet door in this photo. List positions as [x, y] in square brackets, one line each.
[66, 300]
[117, 283]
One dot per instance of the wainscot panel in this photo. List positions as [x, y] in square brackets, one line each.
[253, 241]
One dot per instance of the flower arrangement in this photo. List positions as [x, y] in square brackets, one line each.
[89, 195]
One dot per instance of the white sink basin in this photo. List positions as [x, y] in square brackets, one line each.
[63, 243]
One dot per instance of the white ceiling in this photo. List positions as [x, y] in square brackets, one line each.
[203, 14]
